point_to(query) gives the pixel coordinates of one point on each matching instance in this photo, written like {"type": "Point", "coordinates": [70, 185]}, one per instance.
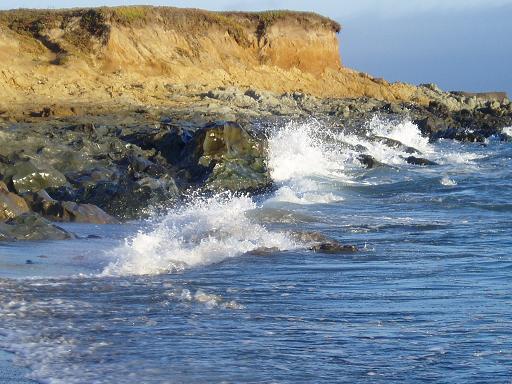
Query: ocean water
{"type": "Point", "coordinates": [219, 290]}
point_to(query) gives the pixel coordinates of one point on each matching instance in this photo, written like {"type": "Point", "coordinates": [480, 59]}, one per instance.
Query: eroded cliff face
{"type": "Point", "coordinates": [138, 55]}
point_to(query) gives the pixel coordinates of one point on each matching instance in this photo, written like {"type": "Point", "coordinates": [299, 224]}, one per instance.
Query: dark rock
{"type": "Point", "coordinates": [220, 155]}
{"type": "Point", "coordinates": [67, 211]}
{"type": "Point", "coordinates": [128, 198]}
{"type": "Point", "coordinates": [368, 161]}
{"type": "Point", "coordinates": [318, 242]}
{"type": "Point", "coordinates": [396, 144]}
{"type": "Point", "coordinates": [461, 135]}
{"type": "Point", "coordinates": [11, 205]}
{"type": "Point", "coordinates": [419, 161]}
{"type": "Point", "coordinates": [429, 125]}
{"type": "Point", "coordinates": [26, 176]}
{"type": "Point", "coordinates": [238, 159]}
{"type": "Point", "coordinates": [31, 226]}
{"type": "Point", "coordinates": [439, 109]}
{"type": "Point", "coordinates": [333, 247]}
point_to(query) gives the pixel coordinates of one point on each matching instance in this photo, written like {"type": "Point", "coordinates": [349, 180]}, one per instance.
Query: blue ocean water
{"type": "Point", "coordinates": [219, 291]}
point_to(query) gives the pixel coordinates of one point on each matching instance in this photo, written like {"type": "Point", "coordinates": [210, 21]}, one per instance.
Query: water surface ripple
{"type": "Point", "coordinates": [184, 298]}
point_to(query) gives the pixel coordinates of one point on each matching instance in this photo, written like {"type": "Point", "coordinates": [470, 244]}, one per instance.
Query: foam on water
{"type": "Point", "coordinates": [301, 159]}
{"type": "Point", "coordinates": [404, 131]}
{"type": "Point", "coordinates": [287, 194]}
{"type": "Point", "coordinates": [56, 326]}
{"type": "Point", "coordinates": [296, 151]}
{"type": "Point", "coordinates": [309, 164]}
{"type": "Point", "coordinates": [44, 334]}
{"type": "Point", "coordinates": [408, 134]}
{"type": "Point", "coordinates": [448, 182]}
{"type": "Point", "coordinates": [205, 231]}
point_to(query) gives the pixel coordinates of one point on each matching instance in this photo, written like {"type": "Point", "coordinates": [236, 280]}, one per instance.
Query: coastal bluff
{"type": "Point", "coordinates": [138, 55]}
{"type": "Point", "coordinates": [113, 114]}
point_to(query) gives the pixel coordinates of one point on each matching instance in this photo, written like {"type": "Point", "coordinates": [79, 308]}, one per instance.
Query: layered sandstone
{"type": "Point", "coordinates": [139, 55]}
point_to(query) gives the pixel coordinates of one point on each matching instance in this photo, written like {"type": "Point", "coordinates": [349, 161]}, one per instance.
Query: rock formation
{"type": "Point", "coordinates": [125, 56]}
{"type": "Point", "coordinates": [112, 113]}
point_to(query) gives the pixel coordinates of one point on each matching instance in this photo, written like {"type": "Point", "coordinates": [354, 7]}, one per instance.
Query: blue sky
{"type": "Point", "coordinates": [458, 44]}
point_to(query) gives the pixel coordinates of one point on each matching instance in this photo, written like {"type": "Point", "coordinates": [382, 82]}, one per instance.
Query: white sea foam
{"type": "Point", "coordinates": [204, 231]}
{"type": "Point", "coordinates": [309, 164]}
{"type": "Point", "coordinates": [210, 300]}
{"type": "Point", "coordinates": [296, 151]}
{"type": "Point", "coordinates": [289, 195]}
{"type": "Point", "coordinates": [408, 134]}
{"type": "Point", "coordinates": [448, 182]}
{"type": "Point", "coordinates": [507, 131]}
{"type": "Point", "coordinates": [405, 132]}
{"type": "Point", "coordinates": [301, 159]}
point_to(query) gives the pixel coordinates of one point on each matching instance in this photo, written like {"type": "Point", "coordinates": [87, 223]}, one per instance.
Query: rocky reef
{"type": "Point", "coordinates": [100, 174]}
{"type": "Point", "coordinates": [109, 114]}
{"type": "Point", "coordinates": [109, 168]}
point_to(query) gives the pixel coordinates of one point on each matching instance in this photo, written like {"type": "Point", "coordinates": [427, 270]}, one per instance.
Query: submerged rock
{"type": "Point", "coordinates": [419, 161]}
{"type": "Point", "coordinates": [263, 251]}
{"type": "Point", "coordinates": [333, 247]}
{"type": "Point", "coordinates": [31, 226]}
{"type": "Point", "coordinates": [368, 161]}
{"type": "Point", "coordinates": [395, 144]}
{"type": "Point", "coordinates": [318, 242]}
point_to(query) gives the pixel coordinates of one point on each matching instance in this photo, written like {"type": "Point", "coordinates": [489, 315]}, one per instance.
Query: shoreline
{"type": "Point", "coordinates": [109, 168]}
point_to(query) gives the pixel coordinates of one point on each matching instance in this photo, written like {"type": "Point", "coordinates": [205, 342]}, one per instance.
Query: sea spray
{"type": "Point", "coordinates": [206, 230]}
{"type": "Point", "coordinates": [303, 159]}
{"type": "Point", "coordinates": [296, 151]}
{"type": "Point", "coordinates": [406, 139]}
{"type": "Point", "coordinates": [309, 163]}
{"type": "Point", "coordinates": [405, 131]}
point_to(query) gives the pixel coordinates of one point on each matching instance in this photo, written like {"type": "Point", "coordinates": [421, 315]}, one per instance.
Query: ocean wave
{"type": "Point", "coordinates": [205, 231]}
{"type": "Point", "coordinates": [507, 131]}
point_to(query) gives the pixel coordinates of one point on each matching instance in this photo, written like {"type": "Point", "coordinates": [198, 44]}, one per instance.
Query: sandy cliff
{"type": "Point", "coordinates": [139, 55]}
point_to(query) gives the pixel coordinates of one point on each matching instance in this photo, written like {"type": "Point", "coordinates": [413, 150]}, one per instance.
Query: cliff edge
{"type": "Point", "coordinates": [139, 55]}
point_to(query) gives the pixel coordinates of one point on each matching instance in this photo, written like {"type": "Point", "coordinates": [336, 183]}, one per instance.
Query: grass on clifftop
{"type": "Point", "coordinates": [84, 27]}
{"type": "Point", "coordinates": [131, 15]}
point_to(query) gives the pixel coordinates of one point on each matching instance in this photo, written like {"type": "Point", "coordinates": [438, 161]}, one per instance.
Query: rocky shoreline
{"type": "Point", "coordinates": [114, 167]}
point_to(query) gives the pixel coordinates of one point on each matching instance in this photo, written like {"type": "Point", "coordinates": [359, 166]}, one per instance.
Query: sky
{"type": "Point", "coordinates": [457, 44]}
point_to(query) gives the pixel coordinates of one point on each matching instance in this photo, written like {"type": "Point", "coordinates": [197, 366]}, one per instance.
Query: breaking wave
{"type": "Point", "coordinates": [205, 231]}
{"type": "Point", "coordinates": [304, 160]}
{"type": "Point", "coordinates": [309, 163]}
{"type": "Point", "coordinates": [507, 131]}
